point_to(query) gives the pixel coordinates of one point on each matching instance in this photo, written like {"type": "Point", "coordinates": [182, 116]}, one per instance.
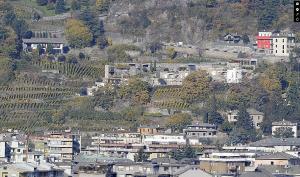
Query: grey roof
{"type": "Point", "coordinates": [276, 142]}
{"type": "Point", "coordinates": [164, 160]}
{"type": "Point", "coordinates": [291, 169]}
{"type": "Point", "coordinates": [277, 155]}
{"type": "Point", "coordinates": [257, 173]}
{"type": "Point", "coordinates": [45, 40]}
{"type": "Point", "coordinates": [251, 111]}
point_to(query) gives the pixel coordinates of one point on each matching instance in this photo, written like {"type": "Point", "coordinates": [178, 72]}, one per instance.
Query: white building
{"type": "Point", "coordinates": [256, 116]}
{"type": "Point", "coordinates": [163, 139]}
{"type": "Point", "coordinates": [282, 44]}
{"type": "Point", "coordinates": [234, 76]}
{"type": "Point", "coordinates": [285, 124]}
{"type": "Point", "coordinates": [117, 138]}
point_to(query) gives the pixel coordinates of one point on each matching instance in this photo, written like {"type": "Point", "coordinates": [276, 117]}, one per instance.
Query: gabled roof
{"type": "Point", "coordinates": [277, 156]}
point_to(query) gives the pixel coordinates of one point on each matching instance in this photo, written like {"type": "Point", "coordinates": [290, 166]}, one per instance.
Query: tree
{"type": "Point", "coordinates": [77, 34]}
{"type": "Point", "coordinates": [42, 2]}
{"type": "Point", "coordinates": [7, 70]}
{"type": "Point", "coordinates": [244, 120]}
{"type": "Point", "coordinates": [50, 49]}
{"type": "Point", "coordinates": [179, 121]}
{"type": "Point", "coordinates": [284, 132]}
{"type": "Point", "coordinates": [184, 152]}
{"type": "Point", "coordinates": [136, 90]}
{"type": "Point", "coordinates": [141, 156]}
{"type": "Point", "coordinates": [245, 39]}
{"type": "Point", "coordinates": [196, 86]}
{"type": "Point", "coordinates": [242, 136]}
{"type": "Point", "coordinates": [75, 5]}
{"type": "Point", "coordinates": [226, 127]}
{"type": "Point", "coordinates": [213, 116]}
{"type": "Point", "coordinates": [60, 6]}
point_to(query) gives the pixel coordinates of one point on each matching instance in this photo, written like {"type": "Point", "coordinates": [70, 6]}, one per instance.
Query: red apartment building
{"type": "Point", "coordinates": [263, 40]}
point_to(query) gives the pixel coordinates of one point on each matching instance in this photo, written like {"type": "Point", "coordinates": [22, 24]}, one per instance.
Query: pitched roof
{"type": "Point", "coordinates": [276, 142]}
{"type": "Point", "coordinates": [275, 156]}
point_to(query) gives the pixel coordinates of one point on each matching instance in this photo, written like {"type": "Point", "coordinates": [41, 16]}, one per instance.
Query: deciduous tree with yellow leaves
{"type": "Point", "coordinates": [77, 34]}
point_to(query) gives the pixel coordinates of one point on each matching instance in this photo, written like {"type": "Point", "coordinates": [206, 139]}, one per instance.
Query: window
{"type": "Point", "coordinates": [272, 163]}
{"type": "Point", "coordinates": [282, 51]}
{"type": "Point", "coordinates": [282, 46]}
{"type": "Point", "coordinates": [166, 168]}
{"type": "Point", "coordinates": [275, 51]}
{"type": "Point", "coordinates": [276, 46]}
{"type": "Point", "coordinates": [276, 40]}
{"type": "Point", "coordinates": [282, 40]}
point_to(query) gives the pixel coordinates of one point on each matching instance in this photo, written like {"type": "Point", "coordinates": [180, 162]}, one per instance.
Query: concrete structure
{"type": "Point", "coordinates": [164, 139]}
{"type": "Point", "coordinates": [61, 146]}
{"type": "Point", "coordinates": [30, 170]}
{"type": "Point", "coordinates": [148, 130]}
{"type": "Point", "coordinates": [199, 131]}
{"type": "Point", "coordinates": [279, 158]}
{"type": "Point", "coordinates": [282, 43]}
{"type": "Point", "coordinates": [159, 169]}
{"type": "Point", "coordinates": [117, 138]}
{"type": "Point", "coordinates": [263, 41]}
{"type": "Point", "coordinates": [275, 145]}
{"type": "Point", "coordinates": [4, 152]}
{"type": "Point", "coordinates": [234, 76]}
{"type": "Point", "coordinates": [286, 125]}
{"type": "Point", "coordinates": [32, 44]}
{"type": "Point", "coordinates": [257, 117]}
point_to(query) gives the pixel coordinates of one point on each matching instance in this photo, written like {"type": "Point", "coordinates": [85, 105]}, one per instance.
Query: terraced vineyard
{"type": "Point", "coordinates": [172, 104]}
{"type": "Point", "coordinates": [167, 92]}
{"type": "Point", "coordinates": [68, 69]}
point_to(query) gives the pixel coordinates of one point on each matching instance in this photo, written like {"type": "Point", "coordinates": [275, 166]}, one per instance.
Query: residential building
{"type": "Point", "coordinates": [149, 130]}
{"type": "Point", "coordinates": [256, 116]}
{"type": "Point", "coordinates": [159, 169]}
{"type": "Point", "coordinates": [33, 43]}
{"type": "Point", "coordinates": [263, 41]}
{"type": "Point", "coordinates": [282, 43]}
{"type": "Point", "coordinates": [117, 138]}
{"type": "Point", "coordinates": [61, 146]}
{"type": "Point", "coordinates": [44, 39]}
{"type": "Point", "coordinates": [275, 145]}
{"type": "Point", "coordinates": [30, 170]}
{"type": "Point", "coordinates": [199, 131]}
{"type": "Point", "coordinates": [227, 163]}
{"type": "Point", "coordinates": [4, 152]}
{"type": "Point", "coordinates": [278, 158]}
{"type": "Point", "coordinates": [164, 139]}
{"type": "Point", "coordinates": [285, 124]}
{"type": "Point", "coordinates": [234, 76]}
{"type": "Point", "coordinates": [229, 38]}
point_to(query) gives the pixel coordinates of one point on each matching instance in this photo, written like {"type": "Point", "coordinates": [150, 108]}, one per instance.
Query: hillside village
{"type": "Point", "coordinates": [149, 88]}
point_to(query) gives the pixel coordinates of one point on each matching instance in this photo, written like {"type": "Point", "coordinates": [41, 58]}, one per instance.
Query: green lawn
{"type": "Point", "coordinates": [40, 9]}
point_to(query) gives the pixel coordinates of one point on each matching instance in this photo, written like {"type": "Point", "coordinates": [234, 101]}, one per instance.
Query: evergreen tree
{"type": "Point", "coordinates": [213, 116]}
{"type": "Point", "coordinates": [141, 156]}
{"type": "Point", "coordinates": [293, 94]}
{"type": "Point", "coordinates": [75, 5]}
{"type": "Point", "coordinates": [244, 120]}
{"type": "Point", "coordinates": [60, 7]}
